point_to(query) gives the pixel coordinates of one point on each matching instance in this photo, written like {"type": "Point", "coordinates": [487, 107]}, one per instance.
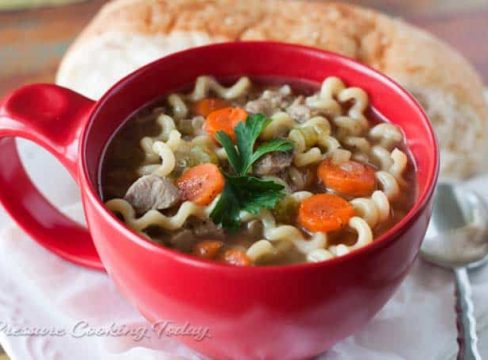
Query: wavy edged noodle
{"type": "Point", "coordinates": [339, 250]}
{"type": "Point", "coordinates": [178, 106]}
{"type": "Point", "coordinates": [331, 88]}
{"type": "Point", "coordinates": [203, 140]}
{"type": "Point", "coordinates": [364, 237]}
{"type": "Point", "coordinates": [350, 126]}
{"type": "Point", "coordinates": [389, 184]}
{"type": "Point", "coordinates": [312, 141]}
{"type": "Point", "coordinates": [260, 249]}
{"type": "Point", "coordinates": [373, 210]}
{"type": "Point", "coordinates": [264, 249]}
{"type": "Point", "coordinates": [326, 106]}
{"type": "Point", "coordinates": [297, 178]}
{"type": "Point", "coordinates": [386, 134]}
{"type": "Point", "coordinates": [280, 123]}
{"type": "Point", "coordinates": [339, 156]}
{"type": "Point", "coordinates": [400, 161]}
{"type": "Point", "coordinates": [289, 233]}
{"type": "Point", "coordinates": [205, 84]}
{"type": "Point", "coordinates": [332, 93]}
{"type": "Point", "coordinates": [300, 195]}
{"type": "Point", "coordinates": [360, 103]}
{"type": "Point", "coordinates": [150, 156]}
{"type": "Point", "coordinates": [325, 102]}
{"type": "Point", "coordinates": [156, 149]}
{"type": "Point", "coordinates": [207, 142]}
{"type": "Point", "coordinates": [319, 255]}
{"type": "Point", "coordinates": [395, 161]}
{"type": "Point", "coordinates": [314, 155]}
{"type": "Point", "coordinates": [313, 132]}
{"type": "Point", "coordinates": [168, 159]}
{"type": "Point", "coordinates": [382, 157]}
{"type": "Point", "coordinates": [167, 126]}
{"type": "Point", "coordinates": [155, 218]}
{"type": "Point", "coordinates": [197, 126]}
{"type": "Point", "coordinates": [358, 143]}
{"type": "Point", "coordinates": [393, 165]}
{"type": "Point", "coordinates": [360, 146]}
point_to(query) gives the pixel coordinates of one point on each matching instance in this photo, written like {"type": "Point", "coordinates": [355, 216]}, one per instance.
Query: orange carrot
{"type": "Point", "coordinates": [349, 178]}
{"type": "Point", "coordinates": [324, 212]}
{"type": "Point", "coordinates": [207, 249]}
{"type": "Point", "coordinates": [205, 106]}
{"type": "Point", "coordinates": [235, 257]}
{"type": "Point", "coordinates": [201, 184]}
{"type": "Point", "coordinates": [225, 120]}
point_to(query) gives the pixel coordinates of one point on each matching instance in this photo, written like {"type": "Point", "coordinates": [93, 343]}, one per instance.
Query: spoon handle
{"type": "Point", "coordinates": [466, 322]}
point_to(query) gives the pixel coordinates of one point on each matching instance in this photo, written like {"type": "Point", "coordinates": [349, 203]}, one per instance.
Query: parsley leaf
{"type": "Point", "coordinates": [226, 211]}
{"type": "Point", "coordinates": [232, 155]}
{"type": "Point", "coordinates": [247, 133]}
{"type": "Point", "coordinates": [255, 194]}
{"type": "Point", "coordinates": [243, 192]}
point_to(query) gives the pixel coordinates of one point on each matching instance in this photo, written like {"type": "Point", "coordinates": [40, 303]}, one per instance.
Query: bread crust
{"type": "Point", "coordinates": [444, 82]}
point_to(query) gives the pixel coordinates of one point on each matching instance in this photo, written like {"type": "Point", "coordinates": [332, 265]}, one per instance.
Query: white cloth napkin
{"type": "Point", "coordinates": [40, 292]}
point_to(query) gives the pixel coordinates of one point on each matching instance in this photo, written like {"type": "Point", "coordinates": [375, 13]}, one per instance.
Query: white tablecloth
{"type": "Point", "coordinates": [41, 292]}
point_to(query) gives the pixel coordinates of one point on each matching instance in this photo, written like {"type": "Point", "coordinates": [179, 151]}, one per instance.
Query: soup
{"type": "Point", "coordinates": [259, 172]}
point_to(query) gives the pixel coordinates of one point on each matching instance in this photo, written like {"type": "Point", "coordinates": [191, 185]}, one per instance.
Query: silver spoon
{"type": "Point", "coordinates": [457, 238]}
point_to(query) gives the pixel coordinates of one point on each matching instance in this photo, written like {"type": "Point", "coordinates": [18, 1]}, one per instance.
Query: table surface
{"type": "Point", "coordinates": [32, 42]}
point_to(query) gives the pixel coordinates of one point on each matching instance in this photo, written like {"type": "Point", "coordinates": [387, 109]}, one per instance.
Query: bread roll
{"type": "Point", "coordinates": [127, 34]}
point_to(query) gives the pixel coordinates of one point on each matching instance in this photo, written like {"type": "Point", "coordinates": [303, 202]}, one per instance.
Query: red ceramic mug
{"type": "Point", "coordinates": [276, 312]}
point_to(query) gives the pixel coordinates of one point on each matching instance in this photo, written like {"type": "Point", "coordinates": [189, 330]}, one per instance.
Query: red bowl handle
{"type": "Point", "coordinates": [53, 117]}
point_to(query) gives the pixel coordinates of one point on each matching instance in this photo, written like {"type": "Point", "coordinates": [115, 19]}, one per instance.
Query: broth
{"type": "Point", "coordinates": [328, 135]}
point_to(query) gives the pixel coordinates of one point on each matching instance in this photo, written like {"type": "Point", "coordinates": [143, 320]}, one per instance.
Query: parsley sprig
{"type": "Point", "coordinates": [243, 192]}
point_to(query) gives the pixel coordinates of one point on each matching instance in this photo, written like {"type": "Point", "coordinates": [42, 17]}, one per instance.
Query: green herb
{"type": "Point", "coordinates": [242, 158]}
{"type": "Point", "coordinates": [243, 192]}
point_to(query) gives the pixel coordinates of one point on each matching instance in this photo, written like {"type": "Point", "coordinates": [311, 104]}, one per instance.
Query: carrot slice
{"type": "Point", "coordinates": [235, 257]}
{"type": "Point", "coordinates": [205, 106]}
{"type": "Point", "coordinates": [349, 178]}
{"type": "Point", "coordinates": [207, 249]}
{"type": "Point", "coordinates": [225, 120]}
{"type": "Point", "coordinates": [201, 184]}
{"type": "Point", "coordinates": [324, 212]}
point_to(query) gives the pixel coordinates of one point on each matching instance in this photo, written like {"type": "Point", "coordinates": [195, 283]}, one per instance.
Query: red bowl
{"type": "Point", "coordinates": [275, 312]}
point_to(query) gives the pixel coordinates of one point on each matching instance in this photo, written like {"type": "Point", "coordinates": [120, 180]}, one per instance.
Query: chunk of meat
{"type": "Point", "coordinates": [204, 228]}
{"type": "Point", "coordinates": [183, 240]}
{"type": "Point", "coordinates": [270, 102]}
{"type": "Point", "coordinates": [273, 163]}
{"type": "Point", "coordinates": [299, 111]}
{"type": "Point", "coordinates": [260, 106]}
{"type": "Point", "coordinates": [300, 179]}
{"type": "Point", "coordinates": [151, 192]}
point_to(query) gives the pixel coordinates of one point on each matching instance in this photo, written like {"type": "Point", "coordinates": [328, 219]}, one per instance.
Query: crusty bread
{"type": "Point", "coordinates": [129, 33]}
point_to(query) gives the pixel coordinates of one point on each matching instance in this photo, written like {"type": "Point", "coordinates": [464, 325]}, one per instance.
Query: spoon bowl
{"type": "Point", "coordinates": [457, 235]}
